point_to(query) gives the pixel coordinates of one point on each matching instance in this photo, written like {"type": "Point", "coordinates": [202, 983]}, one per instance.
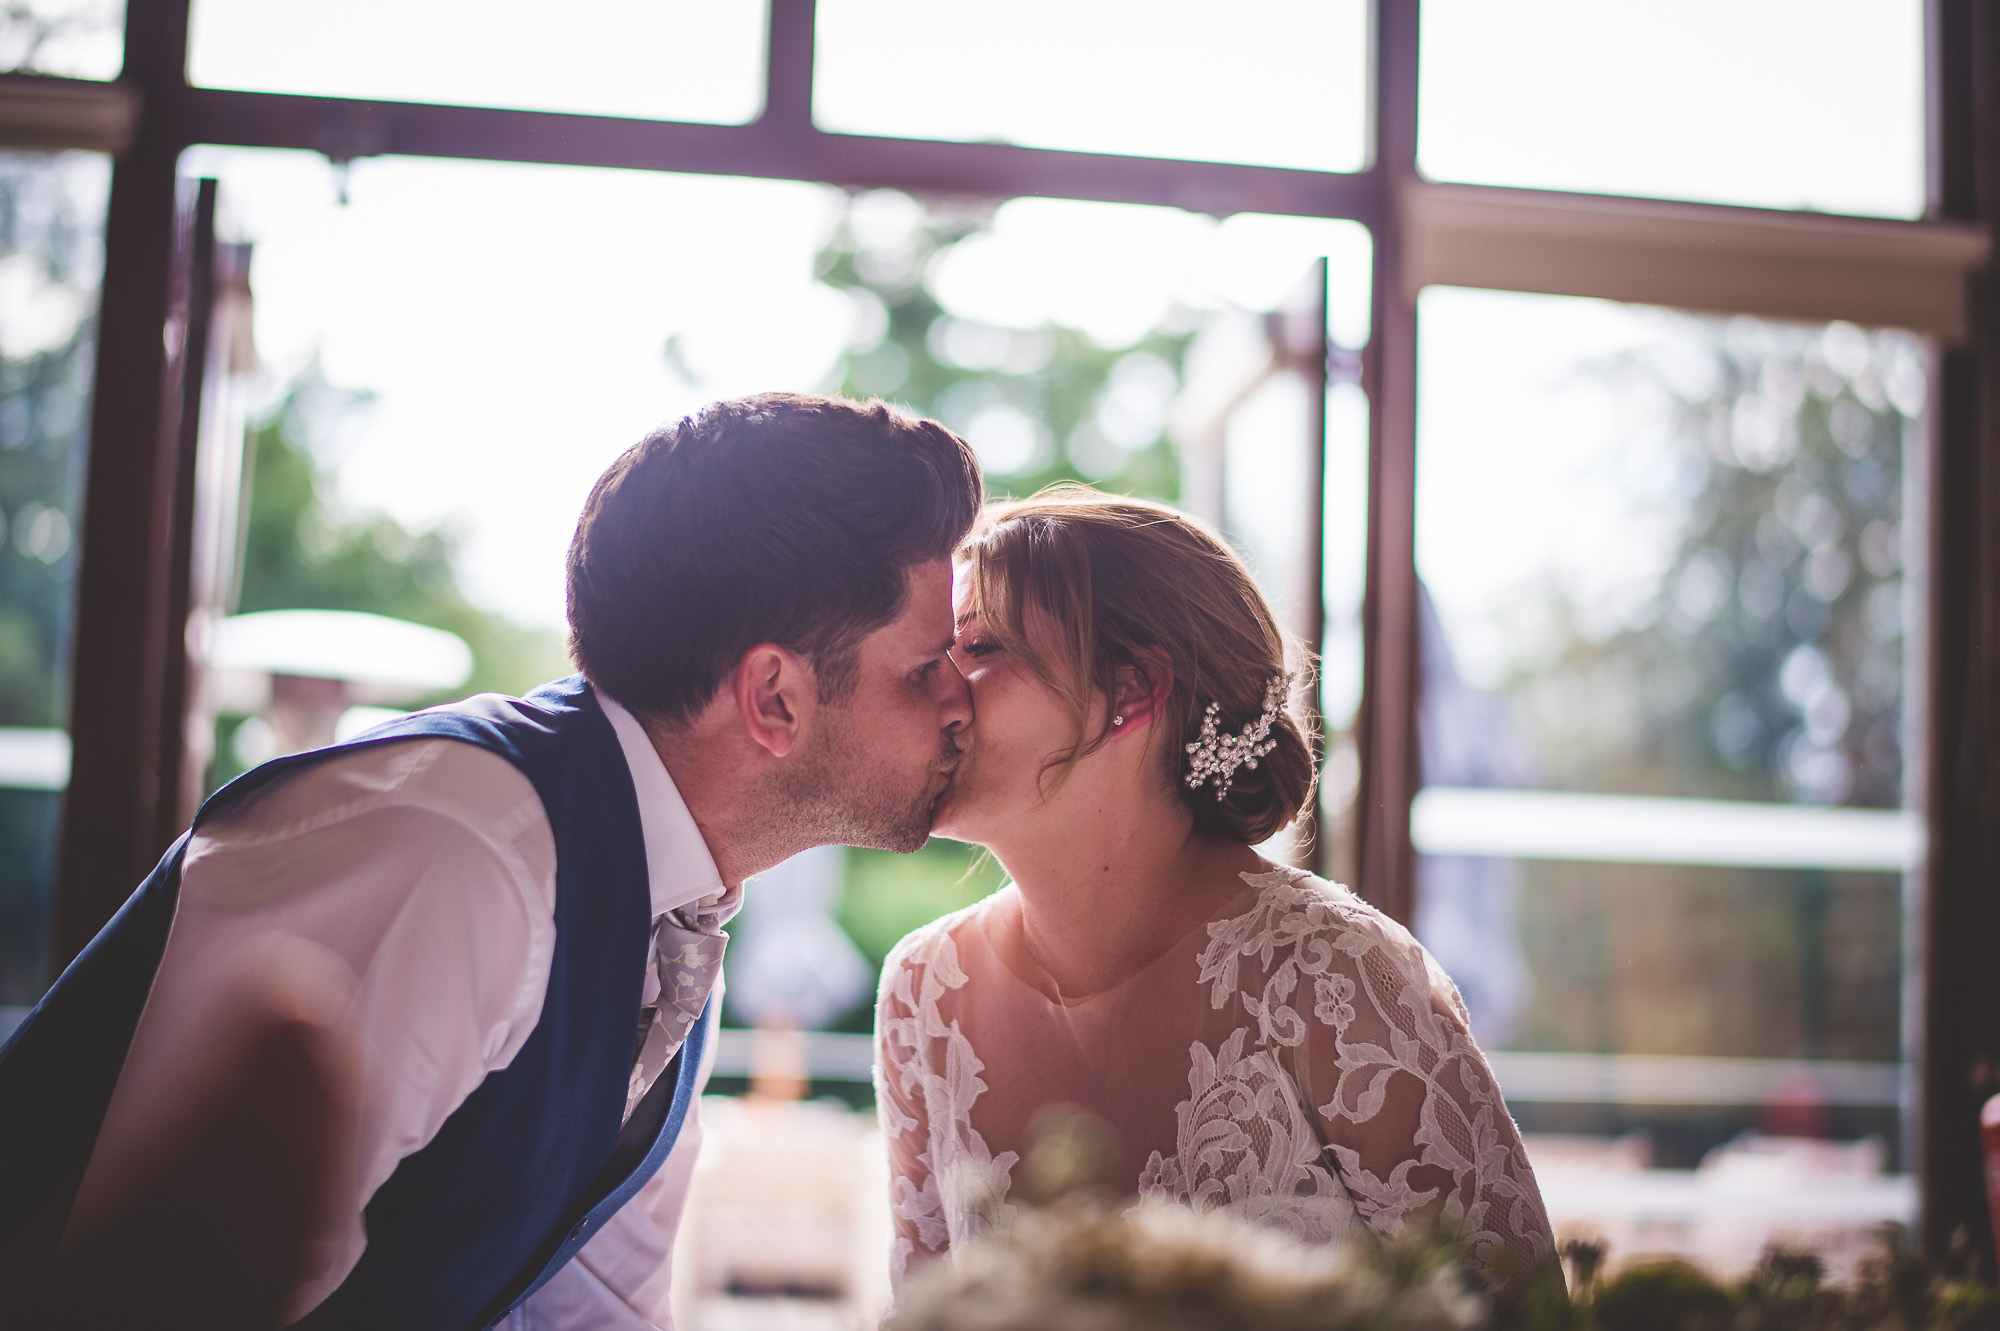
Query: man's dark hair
{"type": "Point", "coordinates": [784, 517]}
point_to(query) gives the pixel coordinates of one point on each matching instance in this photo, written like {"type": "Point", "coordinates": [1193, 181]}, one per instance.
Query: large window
{"type": "Point", "coordinates": [1666, 732]}
{"type": "Point", "coordinates": [1621, 607]}
{"type": "Point", "coordinates": [1149, 350]}
{"type": "Point", "coordinates": [51, 256]}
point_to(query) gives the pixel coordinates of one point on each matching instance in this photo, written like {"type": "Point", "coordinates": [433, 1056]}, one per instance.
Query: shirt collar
{"type": "Point", "coordinates": [679, 869]}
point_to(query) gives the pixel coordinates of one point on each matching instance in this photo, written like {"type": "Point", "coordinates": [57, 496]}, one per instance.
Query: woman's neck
{"type": "Point", "coordinates": [1106, 889]}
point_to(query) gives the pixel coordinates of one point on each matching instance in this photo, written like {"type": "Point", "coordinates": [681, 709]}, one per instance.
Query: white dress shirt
{"type": "Point", "coordinates": [426, 870]}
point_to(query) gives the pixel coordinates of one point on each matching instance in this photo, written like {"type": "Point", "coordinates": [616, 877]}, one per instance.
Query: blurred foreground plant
{"type": "Point", "coordinates": [1084, 1264]}
{"type": "Point", "coordinates": [1900, 1288]}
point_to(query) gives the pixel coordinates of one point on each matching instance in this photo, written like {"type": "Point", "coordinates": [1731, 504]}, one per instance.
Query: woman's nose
{"type": "Point", "coordinates": [955, 708]}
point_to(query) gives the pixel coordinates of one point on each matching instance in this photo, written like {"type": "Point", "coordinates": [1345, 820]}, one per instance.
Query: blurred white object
{"type": "Point", "coordinates": [309, 675]}
{"type": "Point", "coordinates": [1757, 1159]}
{"type": "Point", "coordinates": [1682, 1079]}
{"type": "Point", "coordinates": [385, 658]}
{"type": "Point", "coordinates": [1564, 1154]}
{"type": "Point", "coordinates": [255, 742]}
{"type": "Point", "coordinates": [357, 719]}
{"type": "Point", "coordinates": [33, 759]}
{"type": "Point", "coordinates": [787, 1222]}
{"type": "Point", "coordinates": [1829, 1197]}
{"type": "Point", "coordinates": [829, 1055]}
{"type": "Point", "coordinates": [790, 963]}
{"type": "Point", "coordinates": [1637, 829]}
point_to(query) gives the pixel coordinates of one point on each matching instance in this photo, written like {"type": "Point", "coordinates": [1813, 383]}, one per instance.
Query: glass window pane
{"type": "Point", "coordinates": [700, 60]}
{"type": "Point", "coordinates": [51, 258]}
{"type": "Point", "coordinates": [1054, 333]}
{"type": "Point", "coordinates": [78, 39]}
{"type": "Point", "coordinates": [426, 435]}
{"type": "Point", "coordinates": [1777, 103]}
{"type": "Point", "coordinates": [1273, 82]}
{"type": "Point", "coordinates": [1666, 720]}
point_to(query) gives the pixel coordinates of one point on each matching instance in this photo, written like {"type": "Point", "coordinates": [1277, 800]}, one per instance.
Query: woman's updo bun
{"type": "Point", "coordinates": [1259, 800]}
{"type": "Point", "coordinates": [1112, 583]}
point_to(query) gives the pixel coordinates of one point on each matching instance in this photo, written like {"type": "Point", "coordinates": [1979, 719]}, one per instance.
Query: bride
{"type": "Point", "coordinates": [1246, 1036]}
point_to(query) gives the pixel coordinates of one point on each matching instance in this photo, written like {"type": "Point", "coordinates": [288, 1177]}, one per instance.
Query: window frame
{"type": "Point", "coordinates": [1924, 275]}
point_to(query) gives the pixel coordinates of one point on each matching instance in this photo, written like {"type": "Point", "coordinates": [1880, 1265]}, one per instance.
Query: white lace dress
{"type": "Point", "coordinates": [1300, 1061]}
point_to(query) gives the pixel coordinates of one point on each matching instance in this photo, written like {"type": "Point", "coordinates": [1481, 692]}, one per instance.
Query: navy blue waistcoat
{"type": "Point", "coordinates": [529, 1167]}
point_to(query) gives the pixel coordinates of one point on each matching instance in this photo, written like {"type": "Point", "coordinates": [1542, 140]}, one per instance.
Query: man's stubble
{"type": "Point", "coordinates": [838, 795]}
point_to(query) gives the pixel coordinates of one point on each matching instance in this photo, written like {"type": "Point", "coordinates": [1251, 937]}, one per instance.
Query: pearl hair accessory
{"type": "Point", "coordinates": [1214, 757]}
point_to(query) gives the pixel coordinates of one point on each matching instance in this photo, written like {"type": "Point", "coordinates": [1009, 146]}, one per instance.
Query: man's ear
{"type": "Point", "coordinates": [776, 691]}
{"type": "Point", "coordinates": [1142, 689]}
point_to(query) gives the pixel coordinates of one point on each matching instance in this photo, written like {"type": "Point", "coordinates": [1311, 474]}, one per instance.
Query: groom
{"type": "Point", "coordinates": [408, 1032]}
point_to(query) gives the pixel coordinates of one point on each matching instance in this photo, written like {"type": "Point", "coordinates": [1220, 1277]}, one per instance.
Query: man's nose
{"type": "Point", "coordinates": [955, 708]}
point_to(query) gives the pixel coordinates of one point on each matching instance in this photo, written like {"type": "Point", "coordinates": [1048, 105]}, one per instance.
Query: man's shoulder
{"type": "Point", "coordinates": [454, 780]}
{"type": "Point", "coordinates": [462, 759]}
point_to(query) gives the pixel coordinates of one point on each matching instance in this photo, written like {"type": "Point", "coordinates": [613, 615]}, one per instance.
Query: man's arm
{"type": "Point", "coordinates": [211, 1221]}
{"type": "Point", "coordinates": [417, 881]}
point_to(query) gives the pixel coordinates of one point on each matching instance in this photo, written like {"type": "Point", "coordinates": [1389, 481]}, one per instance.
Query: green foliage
{"type": "Point", "coordinates": [1770, 667]}
{"type": "Point", "coordinates": [301, 553]}
{"type": "Point", "coordinates": [46, 232]}
{"type": "Point", "coordinates": [1087, 1258]}
{"type": "Point", "coordinates": [1660, 1296]}
{"type": "Point", "coordinates": [1900, 1288]}
{"type": "Point", "coordinates": [1089, 1263]}
{"type": "Point", "coordinates": [888, 895]}
{"type": "Point", "coordinates": [50, 243]}
{"type": "Point", "coordinates": [1053, 381]}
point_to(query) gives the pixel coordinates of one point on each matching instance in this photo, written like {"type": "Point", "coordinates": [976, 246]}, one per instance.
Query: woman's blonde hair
{"type": "Point", "coordinates": [1111, 583]}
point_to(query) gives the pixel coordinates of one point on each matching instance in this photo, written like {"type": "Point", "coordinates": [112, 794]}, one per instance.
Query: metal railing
{"type": "Point", "coordinates": [1641, 1079]}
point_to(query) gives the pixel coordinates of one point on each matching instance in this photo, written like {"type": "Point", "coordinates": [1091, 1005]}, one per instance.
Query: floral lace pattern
{"type": "Point", "coordinates": [1244, 1146]}
{"type": "Point", "coordinates": [1346, 1089]}
{"type": "Point", "coordinates": [927, 1060]}
{"type": "Point", "coordinates": [1345, 956]}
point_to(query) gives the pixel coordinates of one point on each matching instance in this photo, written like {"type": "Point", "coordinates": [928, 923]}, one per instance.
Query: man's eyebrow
{"type": "Point", "coordinates": [949, 643]}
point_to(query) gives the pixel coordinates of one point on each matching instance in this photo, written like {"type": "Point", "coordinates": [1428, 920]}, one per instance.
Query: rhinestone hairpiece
{"type": "Point", "coordinates": [1214, 756]}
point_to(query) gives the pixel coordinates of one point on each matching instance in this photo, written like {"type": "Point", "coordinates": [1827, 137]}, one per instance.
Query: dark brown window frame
{"type": "Point", "coordinates": [121, 812]}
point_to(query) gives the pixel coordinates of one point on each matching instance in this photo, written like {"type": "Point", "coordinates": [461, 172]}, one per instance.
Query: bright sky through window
{"type": "Point", "coordinates": [697, 60]}
{"type": "Point", "coordinates": [1773, 103]}
{"type": "Point", "coordinates": [510, 320]}
{"type": "Point", "coordinates": [1272, 82]}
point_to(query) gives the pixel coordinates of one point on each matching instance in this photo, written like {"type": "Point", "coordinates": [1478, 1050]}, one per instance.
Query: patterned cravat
{"type": "Point", "coordinates": [687, 949]}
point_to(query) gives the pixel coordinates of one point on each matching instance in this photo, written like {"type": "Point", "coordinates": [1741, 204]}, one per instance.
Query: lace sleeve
{"type": "Point", "coordinates": [899, 1104]}
{"type": "Point", "coordinates": [1405, 1099]}
{"type": "Point", "coordinates": [945, 1186]}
